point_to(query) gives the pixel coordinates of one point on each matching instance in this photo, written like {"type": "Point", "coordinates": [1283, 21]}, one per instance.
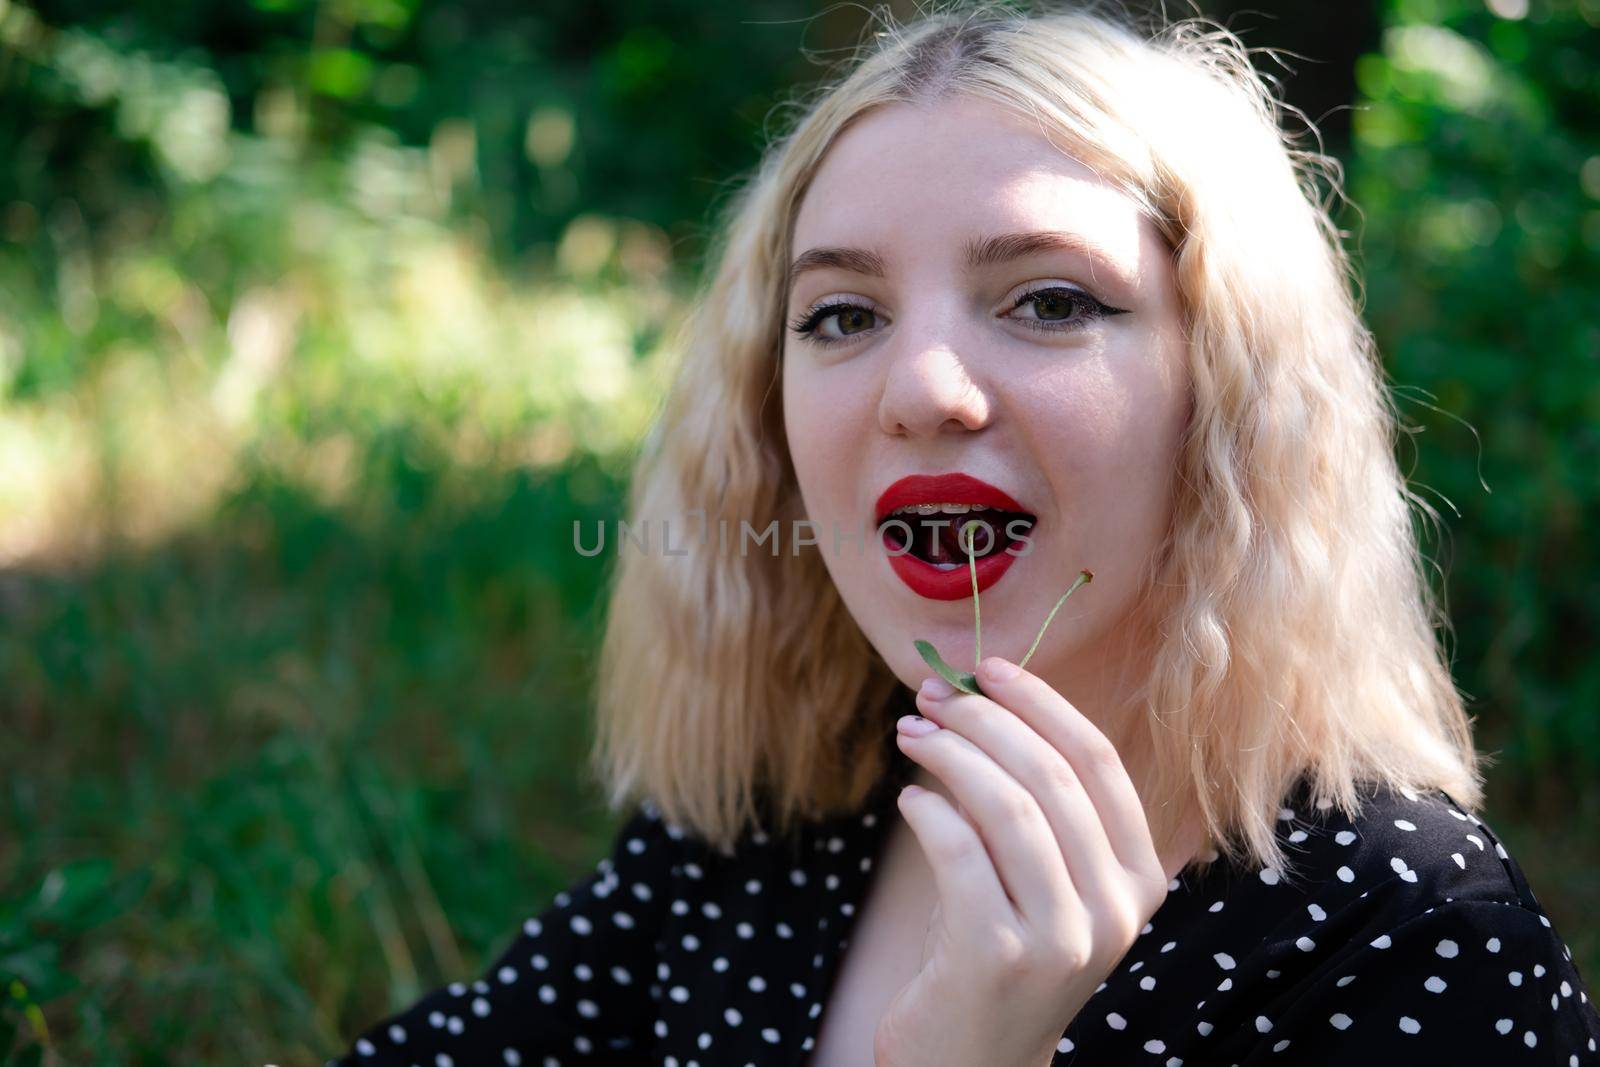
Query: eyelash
{"type": "Point", "coordinates": [806, 325]}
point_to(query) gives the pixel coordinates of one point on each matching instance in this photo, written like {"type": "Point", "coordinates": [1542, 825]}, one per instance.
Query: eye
{"type": "Point", "coordinates": [1057, 309]}
{"type": "Point", "coordinates": [1061, 308]}
{"type": "Point", "coordinates": [852, 319]}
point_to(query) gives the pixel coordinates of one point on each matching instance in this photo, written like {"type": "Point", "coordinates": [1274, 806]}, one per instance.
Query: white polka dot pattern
{"type": "Point", "coordinates": [1406, 935]}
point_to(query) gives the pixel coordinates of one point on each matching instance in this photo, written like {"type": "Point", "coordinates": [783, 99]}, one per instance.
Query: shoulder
{"type": "Point", "coordinates": [1400, 851]}
{"type": "Point", "coordinates": [1404, 861]}
{"type": "Point", "coordinates": [1403, 850]}
{"type": "Point", "coordinates": [1408, 872]}
{"type": "Point", "coordinates": [1385, 923]}
{"type": "Point", "coordinates": [1409, 925]}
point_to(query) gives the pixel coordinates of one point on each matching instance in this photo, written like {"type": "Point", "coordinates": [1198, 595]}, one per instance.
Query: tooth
{"type": "Point", "coordinates": [937, 509]}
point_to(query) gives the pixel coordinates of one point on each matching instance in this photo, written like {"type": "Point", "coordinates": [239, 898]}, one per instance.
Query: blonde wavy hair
{"type": "Point", "coordinates": [1290, 622]}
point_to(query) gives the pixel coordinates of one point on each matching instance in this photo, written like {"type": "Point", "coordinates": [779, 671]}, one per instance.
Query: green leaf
{"type": "Point", "coordinates": [963, 681]}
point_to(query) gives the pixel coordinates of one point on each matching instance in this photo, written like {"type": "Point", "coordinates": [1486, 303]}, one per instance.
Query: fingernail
{"type": "Point", "coordinates": [916, 726]}
{"type": "Point", "coordinates": [1000, 669]}
{"type": "Point", "coordinates": [936, 688]}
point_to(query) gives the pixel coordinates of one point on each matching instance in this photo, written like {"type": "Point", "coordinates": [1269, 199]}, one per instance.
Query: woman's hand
{"type": "Point", "coordinates": [1045, 877]}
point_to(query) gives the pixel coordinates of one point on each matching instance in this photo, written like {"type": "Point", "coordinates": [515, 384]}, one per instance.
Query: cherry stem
{"type": "Point", "coordinates": [1084, 577]}
{"type": "Point", "coordinates": [969, 538]}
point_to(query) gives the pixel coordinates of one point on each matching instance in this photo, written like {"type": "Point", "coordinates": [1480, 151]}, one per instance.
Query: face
{"type": "Point", "coordinates": [1043, 378]}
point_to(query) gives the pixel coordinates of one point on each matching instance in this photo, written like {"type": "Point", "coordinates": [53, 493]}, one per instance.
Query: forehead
{"type": "Point", "coordinates": [914, 177]}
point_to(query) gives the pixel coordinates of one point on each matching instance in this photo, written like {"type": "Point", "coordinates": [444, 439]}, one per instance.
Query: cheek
{"type": "Point", "coordinates": [1110, 429]}
{"type": "Point", "coordinates": [1089, 423]}
{"type": "Point", "coordinates": [821, 438]}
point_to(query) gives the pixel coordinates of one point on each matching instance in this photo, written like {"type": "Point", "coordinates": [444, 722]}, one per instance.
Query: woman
{"type": "Point", "coordinates": [1065, 279]}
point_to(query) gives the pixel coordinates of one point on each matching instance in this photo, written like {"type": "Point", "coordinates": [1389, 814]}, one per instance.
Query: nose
{"type": "Point", "coordinates": [928, 389]}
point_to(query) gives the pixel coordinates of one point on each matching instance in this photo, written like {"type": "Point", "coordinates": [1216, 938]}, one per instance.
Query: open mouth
{"type": "Point", "coordinates": [920, 520]}
{"type": "Point", "coordinates": [931, 533]}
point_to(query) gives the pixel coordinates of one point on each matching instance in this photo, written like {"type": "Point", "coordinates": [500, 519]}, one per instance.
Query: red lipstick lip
{"type": "Point", "coordinates": [929, 582]}
{"type": "Point", "coordinates": [954, 488]}
{"type": "Point", "coordinates": [924, 579]}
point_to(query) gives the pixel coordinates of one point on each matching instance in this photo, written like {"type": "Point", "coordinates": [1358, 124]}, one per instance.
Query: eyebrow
{"type": "Point", "coordinates": [977, 254]}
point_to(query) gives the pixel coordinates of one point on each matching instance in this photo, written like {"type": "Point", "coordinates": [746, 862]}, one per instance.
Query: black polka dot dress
{"type": "Point", "coordinates": [1407, 937]}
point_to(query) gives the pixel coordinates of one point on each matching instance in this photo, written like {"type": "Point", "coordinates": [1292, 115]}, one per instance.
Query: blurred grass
{"type": "Point", "coordinates": [297, 650]}
{"type": "Point", "coordinates": [309, 357]}
{"type": "Point", "coordinates": [299, 743]}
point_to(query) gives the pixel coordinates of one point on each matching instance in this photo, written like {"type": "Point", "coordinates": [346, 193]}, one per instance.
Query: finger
{"type": "Point", "coordinates": [1050, 777]}
{"type": "Point", "coordinates": [1091, 754]}
{"type": "Point", "coordinates": [1009, 822]}
{"type": "Point", "coordinates": [963, 873]}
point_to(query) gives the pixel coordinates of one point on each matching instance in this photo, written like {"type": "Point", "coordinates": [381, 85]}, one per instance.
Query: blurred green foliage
{"type": "Point", "coordinates": [1477, 167]}
{"type": "Point", "coordinates": [321, 322]}
{"type": "Point", "coordinates": [1476, 163]}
